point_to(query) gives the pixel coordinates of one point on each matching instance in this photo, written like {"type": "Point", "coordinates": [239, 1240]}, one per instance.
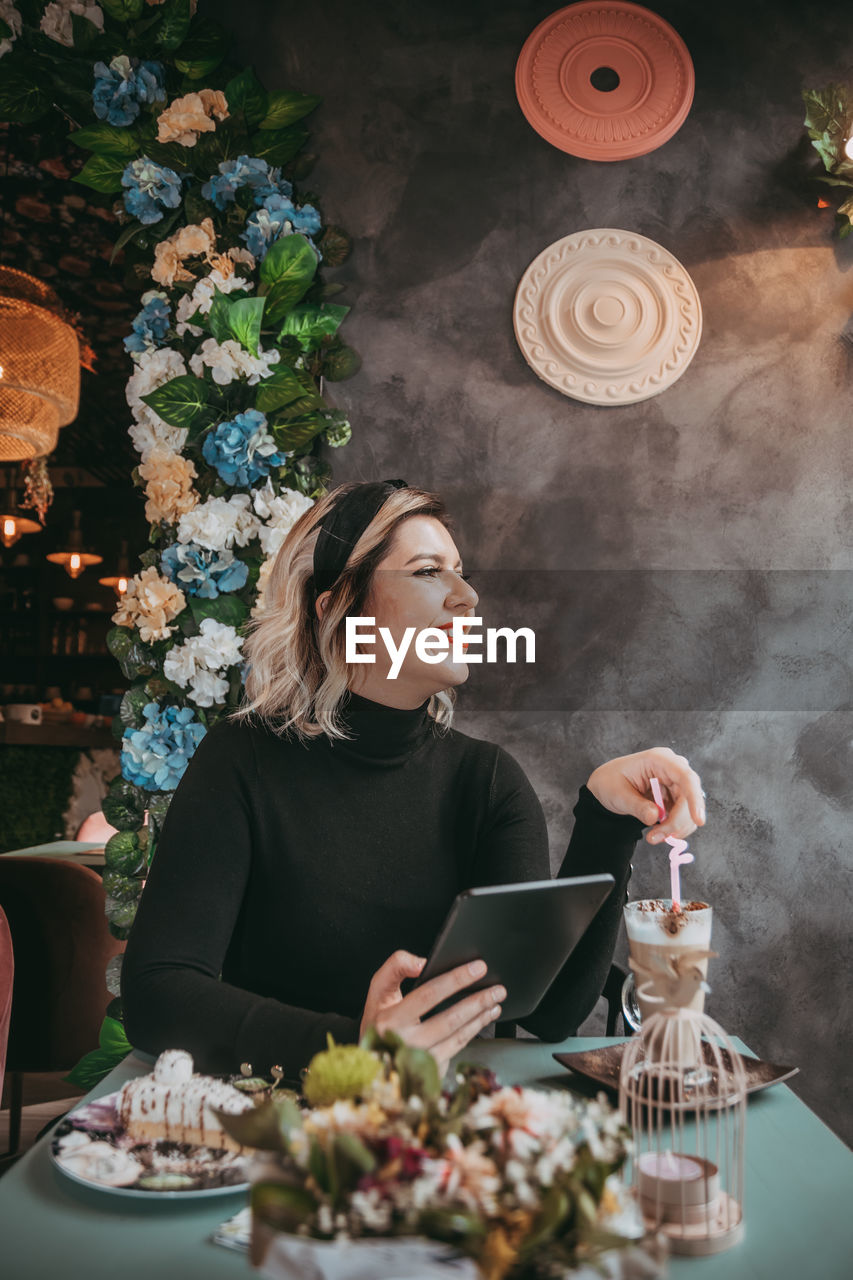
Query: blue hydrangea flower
{"type": "Point", "coordinates": [151, 324]}
{"type": "Point", "coordinates": [123, 86]}
{"type": "Point", "coordinates": [150, 189]}
{"type": "Point", "coordinates": [242, 450]}
{"type": "Point", "coordinates": [277, 215]}
{"type": "Point", "coordinates": [200, 572]}
{"type": "Point", "coordinates": [155, 756]}
{"type": "Point", "coordinates": [245, 171]}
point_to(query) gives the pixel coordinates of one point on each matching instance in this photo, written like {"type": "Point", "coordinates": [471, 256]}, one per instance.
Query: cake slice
{"type": "Point", "coordinates": [174, 1104]}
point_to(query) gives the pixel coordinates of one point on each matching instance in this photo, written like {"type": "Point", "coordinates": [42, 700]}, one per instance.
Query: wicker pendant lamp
{"type": "Point", "coordinates": [40, 360]}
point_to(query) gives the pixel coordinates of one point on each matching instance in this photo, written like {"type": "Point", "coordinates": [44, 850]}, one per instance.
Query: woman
{"type": "Point", "coordinates": [317, 840]}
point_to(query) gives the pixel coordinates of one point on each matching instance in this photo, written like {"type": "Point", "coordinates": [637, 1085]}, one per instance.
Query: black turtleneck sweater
{"type": "Point", "coordinates": [287, 873]}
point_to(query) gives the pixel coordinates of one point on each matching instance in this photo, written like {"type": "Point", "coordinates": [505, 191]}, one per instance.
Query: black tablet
{"type": "Point", "coordinates": [524, 932]}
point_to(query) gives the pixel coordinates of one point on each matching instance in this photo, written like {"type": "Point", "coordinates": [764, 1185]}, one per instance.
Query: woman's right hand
{"type": "Point", "coordinates": [443, 1034]}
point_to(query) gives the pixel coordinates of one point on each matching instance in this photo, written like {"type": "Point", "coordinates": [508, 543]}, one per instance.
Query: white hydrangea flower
{"type": "Point", "coordinates": [56, 19]}
{"type": "Point", "coordinates": [207, 688]}
{"type": "Point", "coordinates": [179, 664]}
{"type": "Point", "coordinates": [195, 664]}
{"type": "Point", "coordinates": [217, 645]}
{"type": "Point", "coordinates": [148, 437]}
{"type": "Point", "coordinates": [279, 511]}
{"type": "Point", "coordinates": [219, 523]}
{"type": "Point", "coordinates": [12, 18]}
{"type": "Point", "coordinates": [201, 298]}
{"type": "Point", "coordinates": [150, 431]}
{"type": "Point", "coordinates": [228, 360]}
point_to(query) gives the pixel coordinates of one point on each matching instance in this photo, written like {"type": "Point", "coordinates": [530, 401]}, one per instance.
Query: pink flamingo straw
{"type": "Point", "coordinates": [677, 856]}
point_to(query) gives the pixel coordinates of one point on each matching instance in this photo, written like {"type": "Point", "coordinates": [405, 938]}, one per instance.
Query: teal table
{"type": "Point", "coordinates": [86, 853]}
{"type": "Point", "coordinates": [798, 1202]}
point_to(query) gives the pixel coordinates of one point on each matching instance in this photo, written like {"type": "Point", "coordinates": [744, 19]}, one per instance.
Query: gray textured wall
{"type": "Point", "coordinates": [686, 556]}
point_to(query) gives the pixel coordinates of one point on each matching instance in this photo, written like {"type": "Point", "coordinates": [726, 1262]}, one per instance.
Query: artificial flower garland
{"type": "Point", "coordinates": [229, 345]}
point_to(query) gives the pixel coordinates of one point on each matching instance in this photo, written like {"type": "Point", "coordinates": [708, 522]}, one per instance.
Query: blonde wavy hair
{"type": "Point", "coordinates": [298, 675]}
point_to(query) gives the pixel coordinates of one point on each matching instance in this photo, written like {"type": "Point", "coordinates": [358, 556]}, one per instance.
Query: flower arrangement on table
{"type": "Point", "coordinates": [232, 339]}
{"type": "Point", "coordinates": [522, 1181]}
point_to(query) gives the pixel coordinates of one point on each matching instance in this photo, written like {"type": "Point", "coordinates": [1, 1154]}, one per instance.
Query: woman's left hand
{"type": "Point", "coordinates": [622, 786]}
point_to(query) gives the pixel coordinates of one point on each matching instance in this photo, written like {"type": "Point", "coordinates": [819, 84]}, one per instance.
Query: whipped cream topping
{"type": "Point", "coordinates": [174, 1066]}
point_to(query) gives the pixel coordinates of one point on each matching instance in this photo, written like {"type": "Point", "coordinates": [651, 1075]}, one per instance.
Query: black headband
{"type": "Point", "coordinates": [341, 528]}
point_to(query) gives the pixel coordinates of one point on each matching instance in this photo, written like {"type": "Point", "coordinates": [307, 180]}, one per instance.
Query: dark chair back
{"type": "Point", "coordinates": [55, 911]}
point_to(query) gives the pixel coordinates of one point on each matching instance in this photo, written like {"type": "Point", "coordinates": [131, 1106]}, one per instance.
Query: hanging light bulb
{"type": "Point", "coordinates": [73, 557]}
{"type": "Point", "coordinates": [40, 376]}
{"type": "Point", "coordinates": [120, 581]}
{"type": "Point", "coordinates": [12, 524]}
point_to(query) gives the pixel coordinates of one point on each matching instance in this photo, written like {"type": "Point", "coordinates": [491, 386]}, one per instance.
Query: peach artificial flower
{"type": "Point", "coordinates": [187, 117]}
{"type": "Point", "coordinates": [150, 603]}
{"type": "Point", "coordinates": [194, 240]}
{"type": "Point", "coordinates": [168, 487]}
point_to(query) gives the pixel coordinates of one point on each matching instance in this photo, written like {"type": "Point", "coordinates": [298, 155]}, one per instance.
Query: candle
{"type": "Point", "coordinates": [670, 1167]}
{"type": "Point", "coordinates": [677, 1188]}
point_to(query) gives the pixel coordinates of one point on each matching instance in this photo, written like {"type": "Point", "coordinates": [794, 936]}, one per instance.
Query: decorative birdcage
{"type": "Point", "coordinates": [39, 367]}
{"type": "Point", "coordinates": [682, 1089]}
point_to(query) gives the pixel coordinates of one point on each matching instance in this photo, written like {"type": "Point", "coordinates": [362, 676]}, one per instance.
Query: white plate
{"type": "Point", "coordinates": [82, 1120]}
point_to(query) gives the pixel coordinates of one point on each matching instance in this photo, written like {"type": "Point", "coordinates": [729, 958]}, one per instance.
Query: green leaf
{"type": "Point", "coordinates": [83, 32]}
{"type": "Point", "coordinates": [340, 364]}
{"type": "Point", "coordinates": [846, 209]}
{"type": "Point", "coordinates": [338, 430]}
{"type": "Point", "coordinates": [182, 402]}
{"type": "Point", "coordinates": [132, 229]}
{"type": "Point", "coordinates": [288, 268]}
{"type": "Point", "coordinates": [267, 1127]}
{"type": "Point", "coordinates": [335, 246]}
{"type": "Point", "coordinates": [279, 1205]}
{"type": "Point", "coordinates": [102, 173]}
{"type": "Point", "coordinates": [175, 25]}
{"type": "Point", "coordinates": [246, 93]}
{"type": "Point", "coordinates": [299, 431]}
{"type": "Point", "coordinates": [217, 316]}
{"type": "Point", "coordinates": [419, 1074]}
{"type": "Point", "coordinates": [280, 389]}
{"type": "Point", "coordinates": [124, 853]}
{"type": "Point", "coordinates": [278, 146]}
{"type": "Point", "coordinates": [138, 660]}
{"type": "Point", "coordinates": [22, 97]}
{"type": "Point", "coordinates": [114, 1047]}
{"type": "Point", "coordinates": [311, 323]}
{"type": "Point", "coordinates": [229, 609]}
{"type": "Point", "coordinates": [119, 642]}
{"type": "Point", "coordinates": [106, 139]}
{"type": "Point", "coordinates": [203, 50]}
{"type": "Point", "coordinates": [131, 707]}
{"type": "Point", "coordinates": [119, 886]}
{"type": "Point", "coordinates": [124, 805]}
{"type": "Point", "coordinates": [244, 321]}
{"type": "Point", "coordinates": [121, 915]}
{"type": "Point", "coordinates": [123, 10]}
{"type": "Point", "coordinates": [286, 108]}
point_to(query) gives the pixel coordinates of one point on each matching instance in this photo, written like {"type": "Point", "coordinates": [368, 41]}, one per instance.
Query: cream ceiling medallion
{"type": "Point", "coordinates": [607, 316]}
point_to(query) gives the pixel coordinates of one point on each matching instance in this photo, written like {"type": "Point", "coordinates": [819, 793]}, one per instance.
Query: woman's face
{"type": "Point", "coordinates": [418, 584]}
